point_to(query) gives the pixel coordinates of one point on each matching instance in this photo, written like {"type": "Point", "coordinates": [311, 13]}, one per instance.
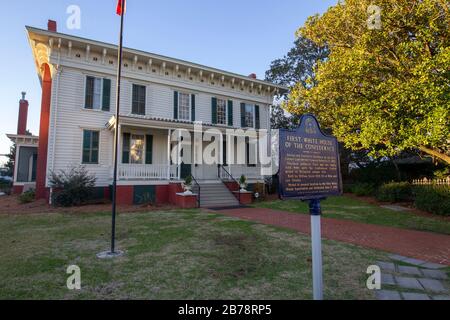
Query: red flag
{"type": "Point", "coordinates": [119, 9]}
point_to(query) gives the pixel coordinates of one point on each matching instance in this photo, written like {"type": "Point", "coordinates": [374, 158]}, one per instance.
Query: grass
{"type": "Point", "coordinates": [356, 210]}
{"type": "Point", "coordinates": [171, 255]}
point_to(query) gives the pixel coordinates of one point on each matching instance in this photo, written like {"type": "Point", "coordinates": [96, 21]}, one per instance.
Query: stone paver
{"type": "Point", "coordinates": [388, 295]}
{"type": "Point", "coordinates": [422, 245]}
{"type": "Point", "coordinates": [395, 208]}
{"type": "Point", "coordinates": [415, 296]}
{"type": "Point", "coordinates": [441, 298]}
{"type": "Point", "coordinates": [408, 283]}
{"type": "Point", "coordinates": [387, 278]}
{"type": "Point", "coordinates": [433, 285]}
{"type": "Point", "coordinates": [409, 270]}
{"type": "Point", "coordinates": [430, 265]}
{"type": "Point", "coordinates": [435, 274]}
{"type": "Point", "coordinates": [387, 266]}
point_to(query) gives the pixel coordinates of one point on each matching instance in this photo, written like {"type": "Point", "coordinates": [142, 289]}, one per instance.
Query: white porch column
{"type": "Point", "coordinates": [16, 162]}
{"type": "Point", "coordinates": [178, 154]}
{"type": "Point", "coordinates": [168, 154]}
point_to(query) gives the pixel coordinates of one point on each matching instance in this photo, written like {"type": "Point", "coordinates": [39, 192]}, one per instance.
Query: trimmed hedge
{"type": "Point", "coordinates": [395, 191]}
{"type": "Point", "coordinates": [363, 189]}
{"type": "Point", "coordinates": [434, 199]}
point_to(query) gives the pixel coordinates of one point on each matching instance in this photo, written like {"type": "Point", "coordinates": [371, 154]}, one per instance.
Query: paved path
{"type": "Point", "coordinates": [415, 244]}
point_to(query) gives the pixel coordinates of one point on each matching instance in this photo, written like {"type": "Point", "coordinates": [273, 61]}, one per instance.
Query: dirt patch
{"type": "Point", "coordinates": [11, 205]}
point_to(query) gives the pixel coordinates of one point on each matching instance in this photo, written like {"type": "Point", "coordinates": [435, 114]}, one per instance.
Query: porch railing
{"type": "Point", "coordinates": [147, 172]}
{"type": "Point", "coordinates": [236, 171]}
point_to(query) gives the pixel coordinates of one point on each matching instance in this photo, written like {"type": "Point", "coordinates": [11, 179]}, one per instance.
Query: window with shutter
{"type": "Point", "coordinates": [97, 93]}
{"type": "Point", "coordinates": [126, 148]}
{"type": "Point", "coordinates": [175, 105]}
{"type": "Point", "coordinates": [90, 147]}
{"type": "Point", "coordinates": [184, 108]}
{"type": "Point", "coordinates": [106, 96]}
{"type": "Point", "coordinates": [221, 110]}
{"type": "Point", "coordinates": [138, 103]}
{"type": "Point", "coordinates": [149, 149]}
{"type": "Point", "coordinates": [230, 113]}
{"type": "Point", "coordinates": [214, 110]}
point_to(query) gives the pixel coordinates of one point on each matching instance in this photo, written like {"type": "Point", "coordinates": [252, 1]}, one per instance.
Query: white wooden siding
{"type": "Point", "coordinates": [67, 124]}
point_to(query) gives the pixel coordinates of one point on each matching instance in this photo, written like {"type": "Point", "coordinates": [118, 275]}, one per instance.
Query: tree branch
{"type": "Point", "coordinates": [442, 156]}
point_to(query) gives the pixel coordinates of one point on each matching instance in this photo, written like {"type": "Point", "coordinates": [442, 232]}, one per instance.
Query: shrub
{"type": "Point", "coordinates": [395, 191]}
{"type": "Point", "coordinates": [434, 199]}
{"type": "Point", "coordinates": [72, 188]}
{"type": "Point", "coordinates": [27, 196]}
{"type": "Point", "coordinates": [363, 189]}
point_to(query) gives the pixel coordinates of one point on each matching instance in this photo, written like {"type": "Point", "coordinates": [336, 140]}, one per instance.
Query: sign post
{"type": "Point", "coordinates": [316, 244]}
{"type": "Point", "coordinates": [310, 171]}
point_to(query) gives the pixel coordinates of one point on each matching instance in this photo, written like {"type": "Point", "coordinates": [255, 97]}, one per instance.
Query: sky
{"type": "Point", "coordinates": [241, 36]}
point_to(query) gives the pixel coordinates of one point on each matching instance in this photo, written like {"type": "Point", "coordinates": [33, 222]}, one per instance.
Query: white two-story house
{"type": "Point", "coordinates": [158, 96]}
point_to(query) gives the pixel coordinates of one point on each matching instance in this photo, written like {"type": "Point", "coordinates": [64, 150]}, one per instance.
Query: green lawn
{"type": "Point", "coordinates": [171, 255]}
{"type": "Point", "coordinates": [360, 211]}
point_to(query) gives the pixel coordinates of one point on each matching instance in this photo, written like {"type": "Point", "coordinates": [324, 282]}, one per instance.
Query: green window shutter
{"type": "Point", "coordinates": [214, 110]}
{"type": "Point", "coordinates": [149, 149]}
{"type": "Point", "coordinates": [106, 94]}
{"type": "Point", "coordinates": [257, 124]}
{"type": "Point", "coordinates": [89, 94]}
{"type": "Point", "coordinates": [193, 107]}
{"type": "Point", "coordinates": [138, 104]}
{"type": "Point", "coordinates": [86, 146]}
{"type": "Point", "coordinates": [230, 113]}
{"type": "Point", "coordinates": [243, 115]}
{"type": "Point", "coordinates": [126, 148]}
{"type": "Point", "coordinates": [175, 104]}
{"type": "Point", "coordinates": [94, 146]}
{"type": "Point", "coordinates": [90, 146]}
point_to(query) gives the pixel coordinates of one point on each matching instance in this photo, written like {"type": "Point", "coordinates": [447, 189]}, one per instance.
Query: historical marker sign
{"type": "Point", "coordinates": [309, 162]}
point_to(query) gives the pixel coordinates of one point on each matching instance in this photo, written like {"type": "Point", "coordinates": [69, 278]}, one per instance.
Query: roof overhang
{"type": "Point", "coordinates": [22, 139]}
{"type": "Point", "coordinates": [43, 42]}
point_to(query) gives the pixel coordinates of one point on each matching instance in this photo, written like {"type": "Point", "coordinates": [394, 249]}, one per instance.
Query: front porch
{"type": "Point", "coordinates": [162, 172]}
{"type": "Point", "coordinates": [146, 148]}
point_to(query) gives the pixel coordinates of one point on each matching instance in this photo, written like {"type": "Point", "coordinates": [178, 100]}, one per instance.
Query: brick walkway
{"type": "Point", "coordinates": [415, 244]}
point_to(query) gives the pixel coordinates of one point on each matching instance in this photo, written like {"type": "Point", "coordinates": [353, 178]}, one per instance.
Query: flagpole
{"type": "Point", "coordinates": [116, 133]}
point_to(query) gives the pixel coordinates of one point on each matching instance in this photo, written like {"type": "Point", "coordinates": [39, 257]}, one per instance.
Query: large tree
{"type": "Point", "coordinates": [296, 67]}
{"type": "Point", "coordinates": [382, 89]}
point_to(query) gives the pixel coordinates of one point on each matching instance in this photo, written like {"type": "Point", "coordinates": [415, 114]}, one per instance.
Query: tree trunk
{"type": "Point", "coordinates": [442, 156]}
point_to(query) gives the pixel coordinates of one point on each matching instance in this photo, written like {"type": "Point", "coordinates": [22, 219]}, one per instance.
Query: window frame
{"type": "Point", "coordinates": [133, 85]}
{"type": "Point", "coordinates": [102, 78]}
{"type": "Point", "coordinates": [252, 105]}
{"type": "Point", "coordinates": [90, 162]}
{"type": "Point", "coordinates": [190, 105]}
{"type": "Point", "coordinates": [144, 155]}
{"type": "Point", "coordinates": [226, 111]}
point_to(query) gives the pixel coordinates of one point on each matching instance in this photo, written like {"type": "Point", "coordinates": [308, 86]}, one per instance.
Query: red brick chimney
{"type": "Point", "coordinates": [52, 26]}
{"type": "Point", "coordinates": [252, 75]}
{"type": "Point", "coordinates": [23, 115]}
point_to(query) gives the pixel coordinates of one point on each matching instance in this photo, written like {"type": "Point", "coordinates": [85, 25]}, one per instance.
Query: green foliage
{"type": "Point", "coordinates": [188, 180]}
{"type": "Point", "coordinates": [363, 189]}
{"type": "Point", "coordinates": [395, 191]}
{"type": "Point", "coordinates": [434, 199]}
{"type": "Point", "coordinates": [374, 173]}
{"type": "Point", "coordinates": [384, 90]}
{"type": "Point", "coordinates": [72, 188]}
{"type": "Point", "coordinates": [296, 66]}
{"type": "Point", "coordinates": [11, 159]}
{"type": "Point", "coordinates": [242, 180]}
{"type": "Point", "coordinates": [27, 196]}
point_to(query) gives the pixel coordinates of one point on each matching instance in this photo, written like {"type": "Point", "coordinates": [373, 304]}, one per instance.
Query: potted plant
{"type": "Point", "coordinates": [187, 185]}
{"type": "Point", "coordinates": [243, 183]}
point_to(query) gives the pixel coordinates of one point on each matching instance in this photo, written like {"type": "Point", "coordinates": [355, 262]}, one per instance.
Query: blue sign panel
{"type": "Point", "coordinates": [309, 162]}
